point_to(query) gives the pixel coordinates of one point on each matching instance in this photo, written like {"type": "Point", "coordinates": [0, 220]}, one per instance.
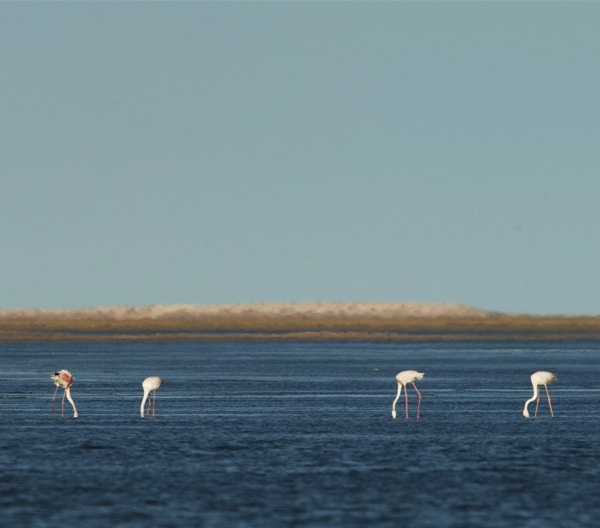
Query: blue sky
{"type": "Point", "coordinates": [224, 152]}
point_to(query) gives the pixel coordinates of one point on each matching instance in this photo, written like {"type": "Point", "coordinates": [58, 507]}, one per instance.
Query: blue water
{"type": "Point", "coordinates": [300, 434]}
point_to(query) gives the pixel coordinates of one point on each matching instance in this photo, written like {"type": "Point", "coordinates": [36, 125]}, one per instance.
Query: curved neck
{"type": "Point", "coordinates": [68, 393]}
{"type": "Point", "coordinates": [535, 395]}
{"type": "Point", "coordinates": [398, 392]}
{"type": "Point", "coordinates": [146, 392]}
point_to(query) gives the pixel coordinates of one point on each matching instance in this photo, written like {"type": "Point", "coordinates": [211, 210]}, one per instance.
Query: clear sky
{"type": "Point", "coordinates": [225, 152]}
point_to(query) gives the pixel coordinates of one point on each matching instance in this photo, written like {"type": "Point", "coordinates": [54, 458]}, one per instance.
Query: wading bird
{"type": "Point", "coordinates": [541, 377]}
{"type": "Point", "coordinates": [150, 384]}
{"type": "Point", "coordinates": [404, 378]}
{"type": "Point", "coordinates": [64, 379]}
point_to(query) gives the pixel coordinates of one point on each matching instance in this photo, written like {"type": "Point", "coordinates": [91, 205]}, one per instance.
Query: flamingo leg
{"type": "Point", "coordinates": [406, 400]}
{"type": "Point", "coordinates": [148, 406]}
{"type": "Point", "coordinates": [419, 404]}
{"type": "Point", "coordinates": [54, 400]}
{"type": "Point", "coordinates": [154, 403]}
{"type": "Point", "coordinates": [549, 402]}
{"type": "Point", "coordinates": [63, 404]}
{"type": "Point", "coordinates": [537, 404]}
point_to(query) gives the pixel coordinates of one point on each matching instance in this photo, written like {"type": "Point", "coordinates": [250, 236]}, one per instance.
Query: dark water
{"type": "Point", "coordinates": [300, 434]}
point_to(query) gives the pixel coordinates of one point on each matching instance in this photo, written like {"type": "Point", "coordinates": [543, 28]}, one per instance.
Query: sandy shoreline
{"type": "Point", "coordinates": [278, 321]}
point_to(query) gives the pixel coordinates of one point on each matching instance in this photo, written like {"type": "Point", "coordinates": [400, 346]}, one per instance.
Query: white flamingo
{"type": "Point", "coordinates": [64, 379]}
{"type": "Point", "coordinates": [150, 384]}
{"type": "Point", "coordinates": [541, 377]}
{"type": "Point", "coordinates": [404, 378]}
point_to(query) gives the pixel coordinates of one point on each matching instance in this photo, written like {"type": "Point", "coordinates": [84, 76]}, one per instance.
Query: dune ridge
{"type": "Point", "coordinates": [263, 309]}
{"type": "Point", "coordinates": [347, 321]}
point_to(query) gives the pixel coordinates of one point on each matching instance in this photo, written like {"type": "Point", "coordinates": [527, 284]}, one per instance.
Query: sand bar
{"type": "Point", "coordinates": [408, 321]}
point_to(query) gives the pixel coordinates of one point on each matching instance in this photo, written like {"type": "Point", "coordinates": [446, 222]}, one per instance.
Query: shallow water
{"type": "Point", "coordinates": [299, 434]}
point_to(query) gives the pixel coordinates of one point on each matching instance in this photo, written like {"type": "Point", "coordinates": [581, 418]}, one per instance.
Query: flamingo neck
{"type": "Point", "coordinates": [146, 392]}
{"type": "Point", "coordinates": [535, 395]}
{"type": "Point", "coordinates": [398, 392]}
{"type": "Point", "coordinates": [68, 393]}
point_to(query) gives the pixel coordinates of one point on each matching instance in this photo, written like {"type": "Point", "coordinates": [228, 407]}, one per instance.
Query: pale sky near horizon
{"type": "Point", "coordinates": [237, 152]}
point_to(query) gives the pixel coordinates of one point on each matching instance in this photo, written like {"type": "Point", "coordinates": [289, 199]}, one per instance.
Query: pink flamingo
{"type": "Point", "coordinates": [150, 384]}
{"type": "Point", "coordinates": [541, 377]}
{"type": "Point", "coordinates": [64, 379]}
{"type": "Point", "coordinates": [404, 378]}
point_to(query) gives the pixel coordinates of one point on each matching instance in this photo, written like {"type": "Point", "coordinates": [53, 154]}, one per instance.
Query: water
{"type": "Point", "coordinates": [299, 434]}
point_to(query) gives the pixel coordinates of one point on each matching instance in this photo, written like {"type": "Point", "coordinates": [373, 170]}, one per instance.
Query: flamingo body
{"type": "Point", "coordinates": [541, 377]}
{"type": "Point", "coordinates": [63, 379]}
{"type": "Point", "coordinates": [403, 379]}
{"type": "Point", "coordinates": [150, 384]}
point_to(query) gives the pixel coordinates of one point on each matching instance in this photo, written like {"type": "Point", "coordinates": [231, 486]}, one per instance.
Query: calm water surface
{"type": "Point", "coordinates": [299, 434]}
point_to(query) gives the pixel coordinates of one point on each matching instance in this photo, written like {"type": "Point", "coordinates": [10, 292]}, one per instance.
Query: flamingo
{"type": "Point", "coordinates": [541, 377]}
{"type": "Point", "coordinates": [64, 379]}
{"type": "Point", "coordinates": [150, 384]}
{"type": "Point", "coordinates": [404, 378]}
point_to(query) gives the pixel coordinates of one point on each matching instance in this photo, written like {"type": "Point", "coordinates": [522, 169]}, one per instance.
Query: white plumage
{"type": "Point", "coordinates": [404, 378]}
